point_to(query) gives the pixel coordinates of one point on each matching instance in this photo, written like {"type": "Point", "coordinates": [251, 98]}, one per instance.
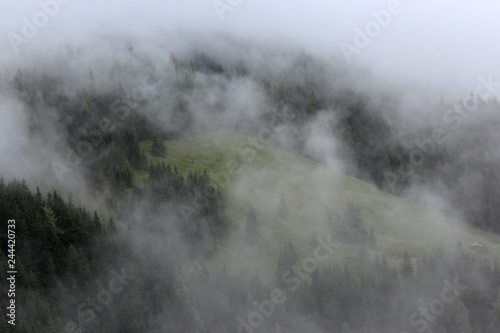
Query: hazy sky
{"type": "Point", "coordinates": [444, 43]}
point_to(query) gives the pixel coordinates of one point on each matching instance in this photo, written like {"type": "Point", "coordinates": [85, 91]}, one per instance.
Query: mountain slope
{"type": "Point", "coordinates": [254, 174]}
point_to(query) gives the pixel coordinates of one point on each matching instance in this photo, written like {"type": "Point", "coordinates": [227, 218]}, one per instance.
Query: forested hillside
{"type": "Point", "coordinates": [447, 150]}
{"type": "Point", "coordinates": [209, 209]}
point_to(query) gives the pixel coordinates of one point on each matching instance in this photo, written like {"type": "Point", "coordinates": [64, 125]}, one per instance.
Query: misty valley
{"type": "Point", "coordinates": [235, 186]}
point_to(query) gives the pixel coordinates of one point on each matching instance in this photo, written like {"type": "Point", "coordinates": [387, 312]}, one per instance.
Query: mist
{"type": "Point", "coordinates": [436, 50]}
{"type": "Point", "coordinates": [304, 118]}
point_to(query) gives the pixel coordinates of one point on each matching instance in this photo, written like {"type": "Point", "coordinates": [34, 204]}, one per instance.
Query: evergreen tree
{"type": "Point", "coordinates": [251, 227]}
{"type": "Point", "coordinates": [286, 260]}
{"type": "Point", "coordinates": [96, 221]}
{"type": "Point", "coordinates": [111, 225]}
{"type": "Point", "coordinates": [158, 148]}
{"type": "Point", "coordinates": [133, 152]}
{"type": "Point", "coordinates": [48, 273]}
{"type": "Point", "coordinates": [462, 317]}
{"type": "Point", "coordinates": [406, 266]}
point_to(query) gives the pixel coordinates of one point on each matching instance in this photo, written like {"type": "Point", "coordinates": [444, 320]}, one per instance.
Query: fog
{"type": "Point", "coordinates": [441, 46]}
{"type": "Point", "coordinates": [423, 56]}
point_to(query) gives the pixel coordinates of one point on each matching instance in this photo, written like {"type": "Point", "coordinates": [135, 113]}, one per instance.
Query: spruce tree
{"type": "Point", "coordinates": [251, 227]}
{"type": "Point", "coordinates": [158, 148]}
